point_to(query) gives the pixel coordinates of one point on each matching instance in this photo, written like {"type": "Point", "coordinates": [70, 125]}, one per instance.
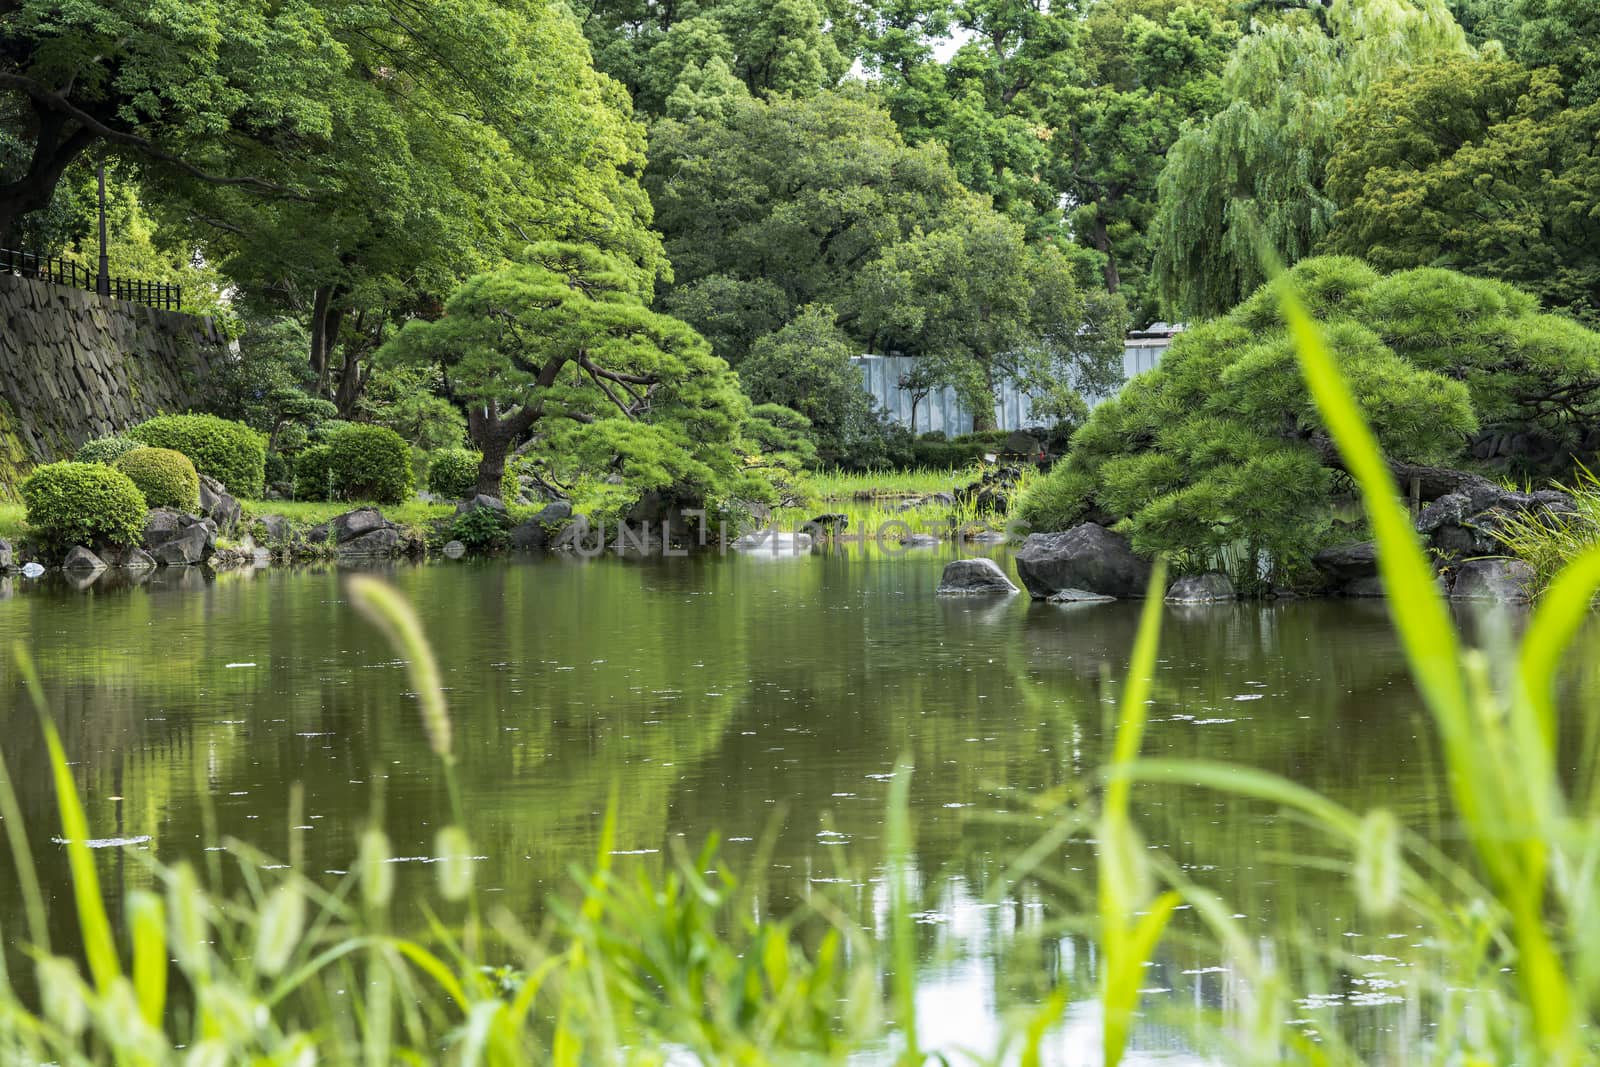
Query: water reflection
{"type": "Point", "coordinates": [731, 695]}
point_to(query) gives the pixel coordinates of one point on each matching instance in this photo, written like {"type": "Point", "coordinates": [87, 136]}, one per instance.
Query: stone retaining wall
{"type": "Point", "coordinates": [74, 366]}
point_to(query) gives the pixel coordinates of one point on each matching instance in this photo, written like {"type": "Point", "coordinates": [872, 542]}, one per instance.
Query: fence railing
{"type": "Point", "coordinates": [65, 272]}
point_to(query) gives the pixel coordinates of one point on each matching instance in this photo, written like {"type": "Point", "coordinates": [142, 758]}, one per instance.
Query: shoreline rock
{"type": "Point", "coordinates": [975, 577]}
{"type": "Point", "coordinates": [1087, 557]}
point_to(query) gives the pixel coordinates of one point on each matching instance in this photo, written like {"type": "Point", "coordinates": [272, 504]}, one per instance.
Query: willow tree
{"type": "Point", "coordinates": [1254, 173]}
{"type": "Point", "coordinates": [562, 346]}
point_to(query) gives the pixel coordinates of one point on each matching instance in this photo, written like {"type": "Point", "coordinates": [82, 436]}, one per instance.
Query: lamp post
{"type": "Point", "coordinates": [102, 278]}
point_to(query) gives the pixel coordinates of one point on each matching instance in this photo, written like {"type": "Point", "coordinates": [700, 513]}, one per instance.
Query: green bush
{"type": "Point", "coordinates": [313, 473]}
{"type": "Point", "coordinates": [453, 473]}
{"type": "Point", "coordinates": [230, 452]}
{"type": "Point", "coordinates": [481, 530]}
{"type": "Point", "coordinates": [370, 463]}
{"type": "Point", "coordinates": [105, 449]}
{"type": "Point", "coordinates": [84, 504]}
{"type": "Point", "coordinates": [165, 477]}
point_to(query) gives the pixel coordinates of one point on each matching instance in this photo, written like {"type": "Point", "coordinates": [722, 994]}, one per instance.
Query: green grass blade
{"type": "Point", "coordinates": [147, 927]}
{"type": "Point", "coordinates": [901, 936]}
{"type": "Point", "coordinates": [99, 946]}
{"type": "Point", "coordinates": [1567, 604]}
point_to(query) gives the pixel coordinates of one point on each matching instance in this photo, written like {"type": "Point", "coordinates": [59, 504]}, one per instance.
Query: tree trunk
{"type": "Point", "coordinates": [53, 151]}
{"type": "Point", "coordinates": [983, 416]}
{"type": "Point", "coordinates": [494, 437]}
{"type": "Point", "coordinates": [319, 334]}
{"type": "Point", "coordinates": [1102, 242]}
{"type": "Point", "coordinates": [351, 382]}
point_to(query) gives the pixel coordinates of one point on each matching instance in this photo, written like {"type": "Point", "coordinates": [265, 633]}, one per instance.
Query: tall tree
{"type": "Point", "coordinates": [1479, 166]}
{"type": "Point", "coordinates": [442, 158]}
{"type": "Point", "coordinates": [563, 345]}
{"type": "Point", "coordinates": [229, 92]}
{"type": "Point", "coordinates": [1254, 173]}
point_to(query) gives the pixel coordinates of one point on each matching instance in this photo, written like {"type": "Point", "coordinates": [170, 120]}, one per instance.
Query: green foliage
{"type": "Point", "coordinates": [230, 452]}
{"type": "Point", "coordinates": [266, 386]}
{"type": "Point", "coordinates": [453, 473]}
{"type": "Point", "coordinates": [166, 478]}
{"type": "Point", "coordinates": [105, 449]}
{"type": "Point", "coordinates": [805, 366]}
{"type": "Point", "coordinates": [367, 463]}
{"type": "Point", "coordinates": [1221, 447]}
{"type": "Point", "coordinates": [1254, 173]}
{"type": "Point", "coordinates": [410, 402]}
{"type": "Point", "coordinates": [1549, 541]}
{"type": "Point", "coordinates": [313, 473]}
{"type": "Point", "coordinates": [1479, 166]}
{"type": "Point", "coordinates": [83, 504]}
{"type": "Point", "coordinates": [562, 345]}
{"type": "Point", "coordinates": [481, 529]}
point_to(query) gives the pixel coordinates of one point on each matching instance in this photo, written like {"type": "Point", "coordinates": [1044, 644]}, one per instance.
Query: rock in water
{"type": "Point", "coordinates": [974, 577]}
{"type": "Point", "coordinates": [1509, 581]}
{"type": "Point", "coordinates": [1087, 557]}
{"type": "Point", "coordinates": [454, 550]}
{"type": "Point", "coordinates": [176, 539]}
{"type": "Point", "coordinates": [81, 559]}
{"type": "Point", "coordinates": [32, 569]}
{"type": "Point", "coordinates": [1212, 587]}
{"type": "Point", "coordinates": [7, 554]}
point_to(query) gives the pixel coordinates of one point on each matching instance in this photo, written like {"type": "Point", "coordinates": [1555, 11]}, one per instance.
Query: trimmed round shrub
{"type": "Point", "coordinates": [370, 463]}
{"type": "Point", "coordinates": [313, 473]}
{"type": "Point", "coordinates": [105, 449]}
{"type": "Point", "coordinates": [166, 478]}
{"type": "Point", "coordinates": [453, 473]}
{"type": "Point", "coordinates": [230, 452]}
{"type": "Point", "coordinates": [84, 504]}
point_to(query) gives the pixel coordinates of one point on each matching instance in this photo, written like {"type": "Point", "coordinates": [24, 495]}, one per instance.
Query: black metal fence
{"type": "Point", "coordinates": [65, 272]}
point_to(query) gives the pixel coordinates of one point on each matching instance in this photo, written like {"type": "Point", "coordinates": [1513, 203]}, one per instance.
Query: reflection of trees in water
{"type": "Point", "coordinates": [714, 694]}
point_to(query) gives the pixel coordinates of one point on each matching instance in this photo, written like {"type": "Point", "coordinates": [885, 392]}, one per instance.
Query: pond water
{"type": "Point", "coordinates": [743, 696]}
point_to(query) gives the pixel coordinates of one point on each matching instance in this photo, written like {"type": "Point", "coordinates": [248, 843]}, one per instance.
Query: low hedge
{"type": "Point", "coordinates": [165, 477]}
{"type": "Point", "coordinates": [453, 473]}
{"type": "Point", "coordinates": [84, 504]}
{"type": "Point", "coordinates": [106, 449]}
{"type": "Point", "coordinates": [371, 464]}
{"type": "Point", "coordinates": [228, 451]}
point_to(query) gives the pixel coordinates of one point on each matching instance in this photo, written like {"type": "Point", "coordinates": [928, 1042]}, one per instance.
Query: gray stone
{"type": "Point", "coordinates": [454, 550]}
{"type": "Point", "coordinates": [384, 541]}
{"type": "Point", "coordinates": [493, 503]}
{"type": "Point", "coordinates": [555, 511]}
{"type": "Point", "coordinates": [7, 555]}
{"type": "Point", "coordinates": [1088, 557]}
{"type": "Point", "coordinates": [917, 540]}
{"type": "Point", "coordinates": [1505, 580]}
{"type": "Point", "coordinates": [974, 577]}
{"type": "Point", "coordinates": [274, 528]}
{"type": "Point", "coordinates": [81, 559]}
{"type": "Point", "coordinates": [348, 526]}
{"type": "Point", "coordinates": [1371, 586]}
{"type": "Point", "coordinates": [1343, 564]}
{"type": "Point", "coordinates": [830, 521]}
{"type": "Point", "coordinates": [218, 505]}
{"type": "Point", "coordinates": [176, 539]}
{"type": "Point", "coordinates": [32, 569]}
{"type": "Point", "coordinates": [529, 536]}
{"type": "Point", "coordinates": [1209, 588]}
{"type": "Point", "coordinates": [1078, 596]}
{"type": "Point", "coordinates": [137, 559]}
{"type": "Point", "coordinates": [1020, 443]}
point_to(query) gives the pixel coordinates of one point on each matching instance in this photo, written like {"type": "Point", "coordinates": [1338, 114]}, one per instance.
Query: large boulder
{"type": "Point", "coordinates": [482, 500]}
{"type": "Point", "coordinates": [1343, 565]}
{"type": "Point", "coordinates": [80, 560]}
{"type": "Point", "coordinates": [274, 529]}
{"type": "Point", "coordinates": [176, 539]}
{"type": "Point", "coordinates": [1088, 557]}
{"type": "Point", "coordinates": [1505, 580]}
{"type": "Point", "coordinates": [218, 505]}
{"type": "Point", "coordinates": [362, 532]}
{"type": "Point", "coordinates": [974, 577]}
{"type": "Point", "coordinates": [1210, 588]}
{"type": "Point", "coordinates": [1472, 520]}
{"type": "Point", "coordinates": [8, 555]}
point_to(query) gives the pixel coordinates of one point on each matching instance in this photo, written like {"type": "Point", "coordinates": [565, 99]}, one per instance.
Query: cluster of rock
{"type": "Point", "coordinates": [991, 492]}
{"type": "Point", "coordinates": [1465, 528]}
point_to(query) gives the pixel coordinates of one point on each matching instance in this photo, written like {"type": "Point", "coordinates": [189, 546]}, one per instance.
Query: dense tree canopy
{"type": "Point", "coordinates": [1253, 175]}
{"type": "Point", "coordinates": [561, 345]}
{"type": "Point", "coordinates": [1479, 166]}
{"type": "Point", "coordinates": [1221, 448]}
